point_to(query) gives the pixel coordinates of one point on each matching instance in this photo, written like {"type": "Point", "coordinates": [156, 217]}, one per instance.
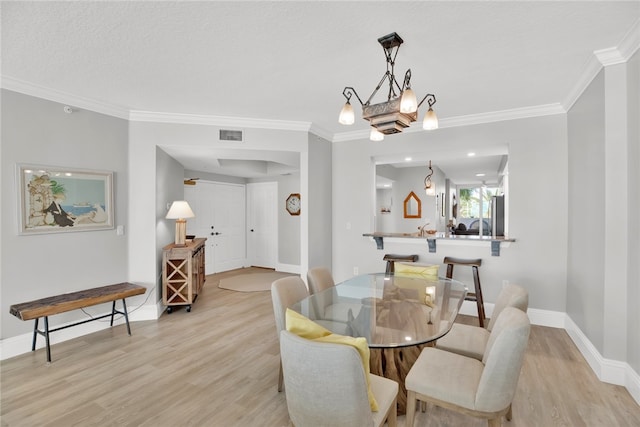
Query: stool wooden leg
{"type": "Point", "coordinates": [479, 300]}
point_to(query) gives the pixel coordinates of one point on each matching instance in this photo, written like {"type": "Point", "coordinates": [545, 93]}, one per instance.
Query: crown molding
{"type": "Point", "coordinates": [471, 119]}
{"type": "Point", "coordinates": [631, 41]}
{"type": "Point", "coordinates": [604, 58]}
{"type": "Point", "coordinates": [223, 121]}
{"type": "Point", "coordinates": [79, 102]}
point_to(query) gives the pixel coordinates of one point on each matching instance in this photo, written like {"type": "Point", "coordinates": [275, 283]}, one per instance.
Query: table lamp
{"type": "Point", "coordinates": [180, 210]}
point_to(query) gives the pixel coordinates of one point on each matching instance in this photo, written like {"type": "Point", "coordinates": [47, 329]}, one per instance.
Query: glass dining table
{"type": "Point", "coordinates": [397, 314]}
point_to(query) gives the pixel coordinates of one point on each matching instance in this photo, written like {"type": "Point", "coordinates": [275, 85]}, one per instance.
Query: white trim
{"type": "Point", "coordinates": [607, 370]}
{"type": "Point", "coordinates": [65, 98]}
{"type": "Point", "coordinates": [20, 344]}
{"type": "Point", "coordinates": [631, 41]}
{"type": "Point", "coordinates": [591, 70]}
{"type": "Point", "coordinates": [604, 57]}
{"type": "Point", "coordinates": [471, 119]}
{"type": "Point", "coordinates": [548, 318]}
{"type": "Point", "coordinates": [209, 120]}
{"type": "Point", "coordinates": [288, 268]}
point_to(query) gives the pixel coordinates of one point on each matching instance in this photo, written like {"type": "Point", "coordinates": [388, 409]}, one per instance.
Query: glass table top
{"type": "Point", "coordinates": [388, 310]}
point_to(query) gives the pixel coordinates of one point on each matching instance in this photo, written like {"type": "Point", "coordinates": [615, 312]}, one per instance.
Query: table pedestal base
{"type": "Point", "coordinates": [395, 363]}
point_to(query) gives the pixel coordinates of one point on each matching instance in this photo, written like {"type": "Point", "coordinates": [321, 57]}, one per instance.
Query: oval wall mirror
{"type": "Point", "coordinates": [412, 206]}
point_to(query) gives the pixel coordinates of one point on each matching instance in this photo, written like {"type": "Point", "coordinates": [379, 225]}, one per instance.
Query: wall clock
{"type": "Point", "coordinates": [293, 204]}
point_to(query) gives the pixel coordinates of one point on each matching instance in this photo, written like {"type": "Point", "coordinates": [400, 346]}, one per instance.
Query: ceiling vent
{"type": "Point", "coordinates": [230, 135]}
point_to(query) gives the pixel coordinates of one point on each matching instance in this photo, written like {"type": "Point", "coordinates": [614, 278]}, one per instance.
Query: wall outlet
{"type": "Point", "coordinates": [355, 271]}
{"type": "Point", "coordinates": [505, 283]}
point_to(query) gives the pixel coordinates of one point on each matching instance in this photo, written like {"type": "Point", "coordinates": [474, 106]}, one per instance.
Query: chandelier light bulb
{"type": "Point", "coordinates": [430, 120]}
{"type": "Point", "coordinates": [347, 116]}
{"type": "Point", "coordinates": [375, 135]}
{"type": "Point", "coordinates": [408, 103]}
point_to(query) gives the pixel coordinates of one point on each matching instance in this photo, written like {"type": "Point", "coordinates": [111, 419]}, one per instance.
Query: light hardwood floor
{"type": "Point", "coordinates": [218, 366]}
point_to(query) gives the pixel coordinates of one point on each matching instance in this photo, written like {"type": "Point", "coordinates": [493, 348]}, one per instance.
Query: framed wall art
{"type": "Point", "coordinates": [56, 199]}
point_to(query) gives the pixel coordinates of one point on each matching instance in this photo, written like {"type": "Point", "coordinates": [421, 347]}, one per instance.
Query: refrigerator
{"type": "Point", "coordinates": [497, 216]}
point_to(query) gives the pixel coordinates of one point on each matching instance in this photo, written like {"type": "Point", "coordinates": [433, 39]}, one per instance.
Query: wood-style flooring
{"type": "Point", "coordinates": [218, 366]}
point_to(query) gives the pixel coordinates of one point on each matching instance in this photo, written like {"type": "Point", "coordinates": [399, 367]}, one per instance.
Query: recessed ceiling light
{"type": "Point", "coordinates": [471, 154]}
{"type": "Point", "coordinates": [407, 159]}
{"type": "Point", "coordinates": [479, 174]}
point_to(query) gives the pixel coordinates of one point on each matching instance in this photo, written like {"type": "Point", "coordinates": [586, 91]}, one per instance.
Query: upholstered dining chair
{"type": "Point", "coordinates": [284, 293]}
{"type": "Point", "coordinates": [471, 341]}
{"type": "Point", "coordinates": [483, 389]}
{"type": "Point", "coordinates": [319, 279]}
{"type": "Point", "coordinates": [326, 385]}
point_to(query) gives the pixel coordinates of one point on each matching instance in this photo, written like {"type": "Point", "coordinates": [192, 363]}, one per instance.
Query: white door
{"type": "Point", "coordinates": [220, 217]}
{"type": "Point", "coordinates": [262, 224]}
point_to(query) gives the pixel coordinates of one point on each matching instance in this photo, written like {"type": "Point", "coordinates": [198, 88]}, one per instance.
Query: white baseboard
{"type": "Point", "coordinates": [288, 268]}
{"type": "Point", "coordinates": [552, 319]}
{"type": "Point", "coordinates": [607, 370]}
{"type": "Point", "coordinates": [20, 344]}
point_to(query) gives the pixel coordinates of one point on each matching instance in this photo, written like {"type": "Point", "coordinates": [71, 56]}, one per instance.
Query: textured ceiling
{"type": "Point", "coordinates": [290, 61]}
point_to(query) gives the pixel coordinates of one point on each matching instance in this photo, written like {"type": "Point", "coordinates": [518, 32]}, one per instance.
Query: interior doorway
{"type": "Point", "coordinates": [220, 217]}
{"type": "Point", "coordinates": [262, 224]}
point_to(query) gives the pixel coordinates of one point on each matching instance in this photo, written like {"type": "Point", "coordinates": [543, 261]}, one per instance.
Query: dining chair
{"type": "Point", "coordinates": [326, 385]}
{"type": "Point", "coordinates": [471, 341]}
{"type": "Point", "coordinates": [483, 389]}
{"type": "Point", "coordinates": [319, 279]}
{"type": "Point", "coordinates": [284, 293]}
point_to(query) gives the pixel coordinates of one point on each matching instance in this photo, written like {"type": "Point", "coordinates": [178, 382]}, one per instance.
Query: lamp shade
{"type": "Point", "coordinates": [347, 116]}
{"type": "Point", "coordinates": [408, 102]}
{"type": "Point", "coordinates": [430, 120]}
{"type": "Point", "coordinates": [376, 135]}
{"type": "Point", "coordinates": [180, 209]}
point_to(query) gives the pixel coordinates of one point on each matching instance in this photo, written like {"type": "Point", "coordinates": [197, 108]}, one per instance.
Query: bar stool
{"type": "Point", "coordinates": [471, 296]}
{"type": "Point", "coordinates": [392, 258]}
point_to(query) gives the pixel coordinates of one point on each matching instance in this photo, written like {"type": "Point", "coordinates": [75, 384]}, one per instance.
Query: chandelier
{"type": "Point", "coordinates": [401, 107]}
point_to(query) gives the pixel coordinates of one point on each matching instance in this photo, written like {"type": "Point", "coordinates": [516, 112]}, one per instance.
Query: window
{"type": "Point", "coordinates": [475, 209]}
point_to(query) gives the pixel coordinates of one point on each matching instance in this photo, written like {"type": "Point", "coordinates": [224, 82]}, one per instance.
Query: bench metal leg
{"type": "Point", "coordinates": [35, 335]}
{"type": "Point", "coordinates": [126, 316]}
{"type": "Point", "coordinates": [46, 338]}
{"type": "Point", "coordinates": [113, 312]}
{"type": "Point", "coordinates": [44, 333]}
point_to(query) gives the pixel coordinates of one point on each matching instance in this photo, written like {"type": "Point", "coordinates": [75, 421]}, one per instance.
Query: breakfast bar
{"type": "Point", "coordinates": [431, 239]}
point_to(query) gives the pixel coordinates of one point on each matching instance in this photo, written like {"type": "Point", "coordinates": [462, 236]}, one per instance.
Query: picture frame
{"type": "Point", "coordinates": [55, 199]}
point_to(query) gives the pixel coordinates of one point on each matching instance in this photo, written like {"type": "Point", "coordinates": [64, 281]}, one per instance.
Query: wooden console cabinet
{"type": "Point", "coordinates": [182, 273]}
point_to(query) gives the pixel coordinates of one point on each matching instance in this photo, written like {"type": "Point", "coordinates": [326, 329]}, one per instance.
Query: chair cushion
{"type": "Point", "coordinates": [417, 269]}
{"type": "Point", "coordinates": [445, 376]}
{"type": "Point", "coordinates": [466, 340]}
{"type": "Point", "coordinates": [302, 326]}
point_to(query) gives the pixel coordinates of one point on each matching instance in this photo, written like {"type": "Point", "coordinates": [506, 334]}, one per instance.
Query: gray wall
{"type": "Point", "coordinates": [169, 187]}
{"type": "Point", "coordinates": [585, 260]}
{"type": "Point", "coordinates": [35, 266]}
{"type": "Point", "coordinates": [537, 203]}
{"type": "Point", "coordinates": [288, 225]}
{"type": "Point", "coordinates": [633, 194]}
{"type": "Point", "coordinates": [320, 205]}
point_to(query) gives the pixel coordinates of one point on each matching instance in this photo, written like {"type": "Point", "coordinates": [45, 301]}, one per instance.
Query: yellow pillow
{"type": "Point", "coordinates": [300, 325]}
{"type": "Point", "coordinates": [417, 269]}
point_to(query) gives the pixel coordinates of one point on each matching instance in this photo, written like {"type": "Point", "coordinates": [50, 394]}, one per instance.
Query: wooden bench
{"type": "Point", "coordinates": [49, 306]}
